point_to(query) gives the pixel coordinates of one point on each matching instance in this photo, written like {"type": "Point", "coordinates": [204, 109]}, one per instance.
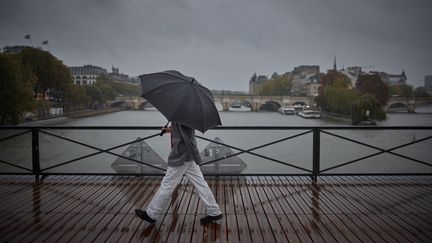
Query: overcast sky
{"type": "Point", "coordinates": [223, 42]}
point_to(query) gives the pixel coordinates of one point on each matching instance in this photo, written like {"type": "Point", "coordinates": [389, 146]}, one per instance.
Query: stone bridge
{"type": "Point", "coordinates": [411, 103]}
{"type": "Point", "coordinates": [256, 102]}
{"type": "Point", "coordinates": [223, 102]}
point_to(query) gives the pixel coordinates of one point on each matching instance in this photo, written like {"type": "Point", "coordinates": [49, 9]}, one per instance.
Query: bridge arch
{"type": "Point", "coordinates": [121, 104]}
{"type": "Point", "coordinates": [397, 107]}
{"type": "Point", "coordinates": [270, 105]}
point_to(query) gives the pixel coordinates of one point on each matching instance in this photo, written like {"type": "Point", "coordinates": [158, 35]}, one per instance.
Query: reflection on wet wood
{"type": "Point", "coordinates": [261, 209]}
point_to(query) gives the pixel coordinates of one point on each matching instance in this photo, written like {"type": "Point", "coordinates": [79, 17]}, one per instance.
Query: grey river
{"type": "Point", "coordinates": [296, 151]}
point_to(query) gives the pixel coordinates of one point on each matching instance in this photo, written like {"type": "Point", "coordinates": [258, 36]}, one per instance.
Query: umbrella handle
{"type": "Point", "coordinates": [162, 130]}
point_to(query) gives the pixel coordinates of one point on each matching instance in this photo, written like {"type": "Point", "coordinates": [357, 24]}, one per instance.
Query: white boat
{"type": "Point", "coordinates": [285, 110]}
{"type": "Point", "coordinates": [310, 114]}
{"type": "Point", "coordinates": [239, 107]}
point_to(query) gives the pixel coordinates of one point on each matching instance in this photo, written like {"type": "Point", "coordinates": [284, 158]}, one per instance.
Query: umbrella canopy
{"type": "Point", "coordinates": [180, 99]}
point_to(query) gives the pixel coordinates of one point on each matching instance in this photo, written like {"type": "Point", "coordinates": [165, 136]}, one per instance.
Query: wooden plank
{"type": "Point", "coordinates": [237, 197]}
{"type": "Point", "coordinates": [187, 229]}
{"type": "Point", "coordinates": [28, 223]}
{"type": "Point", "coordinates": [290, 209]}
{"type": "Point", "coordinates": [342, 230]}
{"type": "Point", "coordinates": [59, 226]}
{"type": "Point", "coordinates": [318, 229]}
{"type": "Point", "coordinates": [355, 211]}
{"type": "Point", "coordinates": [377, 214]}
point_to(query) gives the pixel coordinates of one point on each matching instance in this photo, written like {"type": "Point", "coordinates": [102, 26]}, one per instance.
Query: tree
{"type": "Point", "coordinates": [281, 85]}
{"type": "Point", "coordinates": [52, 76]}
{"type": "Point", "coordinates": [421, 92]}
{"type": "Point", "coordinates": [15, 90]}
{"type": "Point", "coordinates": [331, 79]}
{"type": "Point", "coordinates": [372, 84]}
{"type": "Point", "coordinates": [340, 100]}
{"type": "Point", "coordinates": [403, 90]}
{"type": "Point", "coordinates": [367, 108]}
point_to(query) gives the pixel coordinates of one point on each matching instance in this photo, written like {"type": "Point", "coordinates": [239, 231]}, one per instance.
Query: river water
{"type": "Point", "coordinates": [296, 151]}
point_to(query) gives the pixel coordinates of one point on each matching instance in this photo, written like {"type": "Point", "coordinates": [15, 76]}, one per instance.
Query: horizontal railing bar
{"type": "Point", "coordinates": [226, 127]}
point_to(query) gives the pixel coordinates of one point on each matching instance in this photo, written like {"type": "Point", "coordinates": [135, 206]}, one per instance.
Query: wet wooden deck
{"type": "Point", "coordinates": [257, 209]}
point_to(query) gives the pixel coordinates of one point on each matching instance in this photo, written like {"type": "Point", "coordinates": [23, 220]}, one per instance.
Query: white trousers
{"type": "Point", "coordinates": [172, 178]}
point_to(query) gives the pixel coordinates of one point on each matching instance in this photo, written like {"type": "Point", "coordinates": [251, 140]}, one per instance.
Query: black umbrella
{"type": "Point", "coordinates": [180, 99]}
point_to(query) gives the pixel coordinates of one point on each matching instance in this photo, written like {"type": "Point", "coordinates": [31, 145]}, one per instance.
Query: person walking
{"type": "Point", "coordinates": [183, 160]}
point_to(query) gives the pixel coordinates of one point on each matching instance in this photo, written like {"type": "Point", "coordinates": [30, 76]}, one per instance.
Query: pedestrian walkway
{"type": "Point", "coordinates": [256, 209]}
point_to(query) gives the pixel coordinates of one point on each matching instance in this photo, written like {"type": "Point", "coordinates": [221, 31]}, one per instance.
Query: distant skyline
{"type": "Point", "coordinates": [223, 42]}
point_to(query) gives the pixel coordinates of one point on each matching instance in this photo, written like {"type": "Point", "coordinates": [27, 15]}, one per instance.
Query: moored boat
{"type": "Point", "coordinates": [285, 110]}
{"type": "Point", "coordinates": [310, 114]}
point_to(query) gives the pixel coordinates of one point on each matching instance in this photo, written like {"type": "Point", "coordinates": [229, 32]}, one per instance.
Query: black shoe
{"type": "Point", "coordinates": [144, 216]}
{"type": "Point", "coordinates": [209, 219]}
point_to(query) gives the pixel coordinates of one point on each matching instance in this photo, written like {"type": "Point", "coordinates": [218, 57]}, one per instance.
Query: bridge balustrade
{"type": "Point", "coordinates": [276, 150]}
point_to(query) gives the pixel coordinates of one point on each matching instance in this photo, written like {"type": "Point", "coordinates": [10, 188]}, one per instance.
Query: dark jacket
{"type": "Point", "coordinates": [184, 145]}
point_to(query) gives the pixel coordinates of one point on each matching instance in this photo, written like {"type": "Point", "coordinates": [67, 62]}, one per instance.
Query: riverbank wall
{"type": "Point", "coordinates": [345, 119]}
{"type": "Point", "coordinates": [51, 120]}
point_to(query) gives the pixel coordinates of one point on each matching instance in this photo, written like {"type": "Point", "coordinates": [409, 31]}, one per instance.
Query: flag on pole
{"type": "Point", "coordinates": [27, 37]}
{"type": "Point", "coordinates": [45, 43]}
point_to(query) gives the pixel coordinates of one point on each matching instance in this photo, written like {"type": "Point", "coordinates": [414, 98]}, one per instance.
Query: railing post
{"type": "Point", "coordinates": [35, 153]}
{"type": "Point", "coordinates": [316, 154]}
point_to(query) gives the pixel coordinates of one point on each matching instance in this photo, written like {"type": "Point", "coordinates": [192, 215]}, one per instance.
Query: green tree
{"type": "Point", "coordinates": [367, 108]}
{"type": "Point", "coordinates": [280, 85]}
{"type": "Point", "coordinates": [340, 100]}
{"type": "Point", "coordinates": [52, 76]}
{"type": "Point", "coordinates": [403, 90]}
{"type": "Point", "coordinates": [331, 79]}
{"type": "Point", "coordinates": [372, 84]}
{"type": "Point", "coordinates": [15, 90]}
{"type": "Point", "coordinates": [421, 92]}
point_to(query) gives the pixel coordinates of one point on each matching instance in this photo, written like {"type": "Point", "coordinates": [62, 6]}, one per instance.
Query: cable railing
{"type": "Point", "coordinates": [315, 140]}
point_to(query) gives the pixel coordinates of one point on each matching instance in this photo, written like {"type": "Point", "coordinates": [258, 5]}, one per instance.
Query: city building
{"type": "Point", "coordinates": [116, 76]}
{"type": "Point", "coordinates": [87, 74]}
{"type": "Point", "coordinates": [428, 84]}
{"type": "Point", "coordinates": [305, 80]}
{"type": "Point", "coordinates": [255, 82]}
{"type": "Point", "coordinates": [393, 79]}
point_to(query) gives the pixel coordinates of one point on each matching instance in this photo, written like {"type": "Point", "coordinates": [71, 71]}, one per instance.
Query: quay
{"type": "Point", "coordinates": [100, 208]}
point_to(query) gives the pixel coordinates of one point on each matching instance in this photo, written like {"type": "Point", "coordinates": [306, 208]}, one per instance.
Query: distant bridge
{"type": "Point", "coordinates": [222, 101]}
{"type": "Point", "coordinates": [411, 103]}
{"type": "Point", "coordinates": [256, 102]}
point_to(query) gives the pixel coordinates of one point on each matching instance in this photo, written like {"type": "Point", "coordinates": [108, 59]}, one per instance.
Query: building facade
{"type": "Point", "coordinates": [428, 84]}
{"type": "Point", "coordinates": [116, 76]}
{"type": "Point", "coordinates": [87, 74]}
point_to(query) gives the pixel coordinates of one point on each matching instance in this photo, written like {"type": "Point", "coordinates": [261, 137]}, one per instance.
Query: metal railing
{"type": "Point", "coordinates": [316, 133]}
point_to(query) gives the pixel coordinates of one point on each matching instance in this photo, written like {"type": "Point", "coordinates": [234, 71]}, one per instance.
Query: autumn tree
{"type": "Point", "coordinates": [332, 79]}
{"type": "Point", "coordinates": [16, 95]}
{"type": "Point", "coordinates": [421, 92]}
{"type": "Point", "coordinates": [367, 108]}
{"type": "Point", "coordinates": [372, 84]}
{"type": "Point", "coordinates": [340, 100]}
{"type": "Point", "coordinates": [52, 76]}
{"type": "Point", "coordinates": [403, 90]}
{"type": "Point", "coordinates": [280, 85]}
